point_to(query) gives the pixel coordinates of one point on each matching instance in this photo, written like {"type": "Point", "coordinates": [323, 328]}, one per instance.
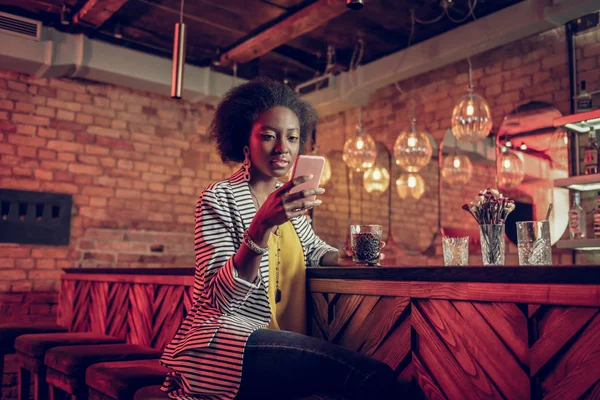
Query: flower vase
{"type": "Point", "coordinates": [492, 243]}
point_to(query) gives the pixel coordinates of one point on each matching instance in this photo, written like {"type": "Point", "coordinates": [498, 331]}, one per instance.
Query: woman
{"type": "Point", "coordinates": [243, 337]}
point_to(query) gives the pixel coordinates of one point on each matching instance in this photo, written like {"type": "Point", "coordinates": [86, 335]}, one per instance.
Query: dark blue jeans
{"type": "Point", "coordinates": [286, 365]}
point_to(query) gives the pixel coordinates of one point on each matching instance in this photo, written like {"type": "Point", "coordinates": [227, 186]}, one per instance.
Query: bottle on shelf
{"type": "Point", "coordinates": [597, 217]}
{"type": "Point", "coordinates": [584, 100]}
{"type": "Point", "coordinates": [577, 226]}
{"type": "Point", "coordinates": [591, 154]}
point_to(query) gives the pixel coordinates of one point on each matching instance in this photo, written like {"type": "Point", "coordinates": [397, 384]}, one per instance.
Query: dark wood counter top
{"type": "Point", "coordinates": [496, 274]}
{"type": "Point", "coordinates": [580, 274]}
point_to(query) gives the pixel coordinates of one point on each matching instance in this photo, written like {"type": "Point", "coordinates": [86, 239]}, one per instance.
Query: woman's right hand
{"type": "Point", "coordinates": [281, 205]}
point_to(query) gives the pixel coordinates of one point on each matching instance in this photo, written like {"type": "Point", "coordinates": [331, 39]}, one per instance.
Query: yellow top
{"type": "Point", "coordinates": [290, 313]}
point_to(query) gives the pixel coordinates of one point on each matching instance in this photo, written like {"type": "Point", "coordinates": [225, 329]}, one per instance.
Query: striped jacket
{"type": "Point", "coordinates": [205, 356]}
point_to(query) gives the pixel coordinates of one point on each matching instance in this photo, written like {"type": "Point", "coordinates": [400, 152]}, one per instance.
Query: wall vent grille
{"type": "Point", "coordinates": [19, 26]}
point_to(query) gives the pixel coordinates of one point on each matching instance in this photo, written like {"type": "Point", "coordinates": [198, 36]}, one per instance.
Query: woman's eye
{"type": "Point", "coordinates": [293, 138]}
{"type": "Point", "coordinates": [267, 136]}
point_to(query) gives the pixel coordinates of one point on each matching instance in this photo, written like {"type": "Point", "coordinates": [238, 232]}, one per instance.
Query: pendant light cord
{"type": "Point", "coordinates": [181, 13]}
{"type": "Point", "coordinates": [470, 73]}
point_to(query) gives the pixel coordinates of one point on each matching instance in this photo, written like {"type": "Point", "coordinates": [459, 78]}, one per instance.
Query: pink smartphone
{"type": "Point", "coordinates": [307, 165]}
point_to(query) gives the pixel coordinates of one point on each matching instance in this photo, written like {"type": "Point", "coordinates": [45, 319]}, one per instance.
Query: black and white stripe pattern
{"type": "Point", "coordinates": [205, 355]}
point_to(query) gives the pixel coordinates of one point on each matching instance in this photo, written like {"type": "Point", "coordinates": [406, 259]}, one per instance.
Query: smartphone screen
{"type": "Point", "coordinates": [308, 165]}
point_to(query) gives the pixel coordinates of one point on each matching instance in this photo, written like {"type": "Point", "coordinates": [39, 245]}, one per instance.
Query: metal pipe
{"type": "Point", "coordinates": [178, 60]}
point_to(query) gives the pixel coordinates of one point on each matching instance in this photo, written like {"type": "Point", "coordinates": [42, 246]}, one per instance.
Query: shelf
{"type": "Point", "coordinates": [580, 122]}
{"type": "Point", "coordinates": [582, 183]}
{"type": "Point", "coordinates": [579, 244]}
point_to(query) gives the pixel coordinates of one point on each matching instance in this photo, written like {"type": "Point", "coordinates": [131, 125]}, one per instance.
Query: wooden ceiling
{"type": "Point", "coordinates": [275, 38]}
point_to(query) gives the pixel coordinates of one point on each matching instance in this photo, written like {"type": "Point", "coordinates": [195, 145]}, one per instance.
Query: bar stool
{"type": "Point", "coordinates": [31, 350]}
{"type": "Point", "coordinates": [150, 393]}
{"type": "Point", "coordinates": [66, 365]}
{"type": "Point", "coordinates": [10, 331]}
{"type": "Point", "coordinates": [120, 380]}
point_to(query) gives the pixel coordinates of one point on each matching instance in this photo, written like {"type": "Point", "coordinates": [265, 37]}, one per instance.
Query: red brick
{"type": "Point", "coordinates": [96, 150]}
{"type": "Point", "coordinates": [84, 119]}
{"type": "Point", "coordinates": [24, 263]}
{"type": "Point", "coordinates": [7, 127]}
{"type": "Point", "coordinates": [7, 148]}
{"type": "Point", "coordinates": [61, 145]}
{"type": "Point", "coordinates": [10, 274]}
{"type": "Point", "coordinates": [85, 169]}
{"type": "Point", "coordinates": [61, 187]}
{"type": "Point", "coordinates": [25, 107]}
{"type": "Point", "coordinates": [22, 184]}
{"type": "Point", "coordinates": [47, 133]}
{"type": "Point", "coordinates": [64, 105]}
{"type": "Point", "coordinates": [67, 157]}
{"type": "Point", "coordinates": [50, 252]}
{"type": "Point", "coordinates": [22, 172]}
{"type": "Point", "coordinates": [47, 263]}
{"type": "Point", "coordinates": [23, 129]}
{"type": "Point", "coordinates": [7, 105]}
{"type": "Point", "coordinates": [43, 175]}
{"type": "Point", "coordinates": [54, 165]}
{"type": "Point", "coordinates": [30, 119]}
{"type": "Point", "coordinates": [24, 151]}
{"type": "Point", "coordinates": [46, 154]}
{"type": "Point", "coordinates": [65, 115]}
{"type": "Point", "coordinates": [27, 141]}
{"type": "Point", "coordinates": [17, 86]}
{"type": "Point", "coordinates": [67, 125]}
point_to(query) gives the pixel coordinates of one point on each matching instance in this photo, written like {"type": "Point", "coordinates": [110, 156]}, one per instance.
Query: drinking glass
{"type": "Point", "coordinates": [365, 241]}
{"type": "Point", "coordinates": [456, 250]}
{"type": "Point", "coordinates": [533, 243]}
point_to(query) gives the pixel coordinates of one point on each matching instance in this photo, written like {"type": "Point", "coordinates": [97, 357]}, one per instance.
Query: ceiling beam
{"type": "Point", "coordinates": [97, 12]}
{"type": "Point", "coordinates": [297, 24]}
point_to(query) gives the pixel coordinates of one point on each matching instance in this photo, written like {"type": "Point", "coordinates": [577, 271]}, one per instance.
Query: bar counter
{"type": "Point", "coordinates": [457, 332]}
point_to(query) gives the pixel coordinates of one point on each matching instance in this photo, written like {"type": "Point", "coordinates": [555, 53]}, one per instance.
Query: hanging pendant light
{"type": "Point", "coordinates": [410, 186]}
{"type": "Point", "coordinates": [178, 57]}
{"type": "Point", "coordinates": [510, 170]}
{"type": "Point", "coordinates": [360, 151]}
{"type": "Point", "coordinates": [376, 180]}
{"type": "Point", "coordinates": [457, 169]}
{"type": "Point", "coordinates": [413, 150]}
{"type": "Point", "coordinates": [471, 117]}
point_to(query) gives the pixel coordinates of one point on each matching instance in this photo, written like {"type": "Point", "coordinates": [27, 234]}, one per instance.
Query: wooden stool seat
{"type": "Point", "coordinates": [9, 332]}
{"type": "Point", "coordinates": [66, 365]}
{"type": "Point", "coordinates": [31, 350]}
{"type": "Point", "coordinates": [120, 380]}
{"type": "Point", "coordinates": [150, 393]}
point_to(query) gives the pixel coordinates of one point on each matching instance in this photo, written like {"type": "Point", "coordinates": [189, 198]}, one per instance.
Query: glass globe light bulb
{"type": "Point", "coordinates": [410, 185]}
{"type": "Point", "coordinates": [376, 180]}
{"type": "Point", "coordinates": [413, 150]}
{"type": "Point", "coordinates": [360, 152]}
{"type": "Point", "coordinates": [471, 118]}
{"type": "Point", "coordinates": [457, 169]}
{"type": "Point", "coordinates": [511, 172]}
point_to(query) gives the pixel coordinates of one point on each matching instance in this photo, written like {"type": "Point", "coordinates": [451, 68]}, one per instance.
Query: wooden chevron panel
{"type": "Point", "coordinates": [82, 304]}
{"type": "Point", "coordinates": [145, 314]}
{"type": "Point", "coordinates": [372, 325]}
{"type": "Point", "coordinates": [65, 303]}
{"type": "Point", "coordinates": [565, 356]}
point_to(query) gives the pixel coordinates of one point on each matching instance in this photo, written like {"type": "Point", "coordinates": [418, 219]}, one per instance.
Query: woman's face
{"type": "Point", "coordinates": [274, 141]}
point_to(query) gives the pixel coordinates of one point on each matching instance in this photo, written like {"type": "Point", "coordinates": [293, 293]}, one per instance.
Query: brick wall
{"type": "Point", "coordinates": [535, 68]}
{"type": "Point", "coordinates": [135, 162]}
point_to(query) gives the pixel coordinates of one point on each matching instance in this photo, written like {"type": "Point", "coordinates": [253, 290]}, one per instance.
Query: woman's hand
{"type": "Point", "coordinates": [281, 205]}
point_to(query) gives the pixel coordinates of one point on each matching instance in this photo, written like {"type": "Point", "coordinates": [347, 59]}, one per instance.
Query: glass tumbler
{"type": "Point", "coordinates": [456, 250]}
{"type": "Point", "coordinates": [365, 241]}
{"type": "Point", "coordinates": [533, 243]}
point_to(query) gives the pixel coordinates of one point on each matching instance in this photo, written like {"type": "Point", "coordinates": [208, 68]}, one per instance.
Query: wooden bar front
{"type": "Point", "coordinates": [458, 332]}
{"type": "Point", "coordinates": [472, 332]}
